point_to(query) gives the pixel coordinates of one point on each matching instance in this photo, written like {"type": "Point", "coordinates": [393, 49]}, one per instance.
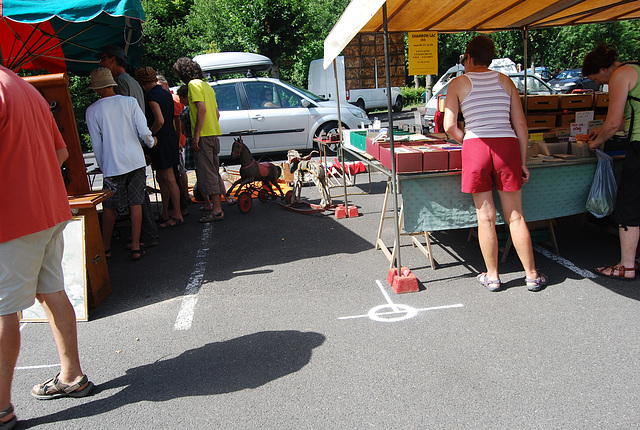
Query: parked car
{"type": "Point", "coordinates": [535, 86]}
{"type": "Point", "coordinates": [291, 120]}
{"type": "Point", "coordinates": [273, 115]}
{"type": "Point", "coordinates": [569, 80]}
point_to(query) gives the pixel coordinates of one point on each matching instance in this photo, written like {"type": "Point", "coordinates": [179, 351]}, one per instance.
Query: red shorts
{"type": "Point", "coordinates": [491, 160]}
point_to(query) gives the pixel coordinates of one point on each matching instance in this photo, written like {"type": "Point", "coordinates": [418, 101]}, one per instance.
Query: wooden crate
{"type": "Point", "coordinates": [549, 102]}
{"type": "Point", "coordinates": [602, 100]}
{"type": "Point", "coordinates": [576, 101]}
{"type": "Point", "coordinates": [541, 121]}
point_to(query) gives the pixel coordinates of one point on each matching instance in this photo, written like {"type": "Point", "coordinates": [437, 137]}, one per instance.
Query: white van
{"type": "Point", "coordinates": [322, 82]}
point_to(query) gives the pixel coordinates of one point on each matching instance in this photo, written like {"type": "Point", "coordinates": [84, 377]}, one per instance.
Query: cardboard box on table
{"type": "Point", "coordinates": [602, 100]}
{"type": "Point", "coordinates": [434, 158]}
{"type": "Point", "coordinates": [408, 159]}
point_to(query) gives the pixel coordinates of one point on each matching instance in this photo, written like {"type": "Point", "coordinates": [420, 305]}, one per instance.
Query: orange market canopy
{"type": "Point", "coordinates": [365, 16]}
{"type": "Point", "coordinates": [371, 16]}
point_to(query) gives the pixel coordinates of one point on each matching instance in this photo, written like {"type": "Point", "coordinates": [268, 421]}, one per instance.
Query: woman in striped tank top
{"type": "Point", "coordinates": [494, 154]}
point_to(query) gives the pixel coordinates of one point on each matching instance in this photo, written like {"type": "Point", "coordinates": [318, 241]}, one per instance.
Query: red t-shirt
{"type": "Point", "coordinates": [32, 192]}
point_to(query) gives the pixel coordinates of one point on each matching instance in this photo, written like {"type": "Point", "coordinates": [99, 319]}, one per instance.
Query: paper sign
{"type": "Point", "coordinates": [579, 128]}
{"type": "Point", "coordinates": [584, 116]}
{"type": "Point", "coordinates": [423, 53]}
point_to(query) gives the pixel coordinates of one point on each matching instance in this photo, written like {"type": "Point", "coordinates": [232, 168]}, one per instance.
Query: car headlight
{"type": "Point", "coordinates": [358, 113]}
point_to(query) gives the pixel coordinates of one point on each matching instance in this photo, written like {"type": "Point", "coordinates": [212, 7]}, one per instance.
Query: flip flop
{"type": "Point", "coordinates": [497, 285]}
{"type": "Point", "coordinates": [621, 271]}
{"type": "Point", "coordinates": [12, 422]}
{"type": "Point", "coordinates": [54, 389]}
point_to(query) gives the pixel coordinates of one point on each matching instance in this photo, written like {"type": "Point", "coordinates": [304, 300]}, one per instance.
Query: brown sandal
{"type": "Point", "coordinates": [54, 389]}
{"type": "Point", "coordinates": [621, 270]}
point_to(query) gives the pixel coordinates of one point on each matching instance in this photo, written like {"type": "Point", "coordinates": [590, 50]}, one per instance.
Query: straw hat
{"type": "Point", "coordinates": [101, 78]}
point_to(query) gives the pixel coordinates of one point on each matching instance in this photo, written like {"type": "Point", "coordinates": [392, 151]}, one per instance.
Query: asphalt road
{"type": "Point", "coordinates": [280, 320]}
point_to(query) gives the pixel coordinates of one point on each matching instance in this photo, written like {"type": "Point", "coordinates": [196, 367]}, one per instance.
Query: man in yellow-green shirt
{"type": "Point", "coordinates": [204, 115]}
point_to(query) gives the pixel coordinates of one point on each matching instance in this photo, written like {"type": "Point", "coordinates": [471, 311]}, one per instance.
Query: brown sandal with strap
{"type": "Point", "coordinates": [620, 270]}
{"type": "Point", "coordinates": [54, 389]}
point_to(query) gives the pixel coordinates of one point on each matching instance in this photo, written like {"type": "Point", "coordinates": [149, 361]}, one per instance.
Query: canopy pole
{"type": "Point", "coordinates": [525, 35]}
{"type": "Point", "coordinates": [340, 151]}
{"type": "Point", "coordinates": [394, 178]}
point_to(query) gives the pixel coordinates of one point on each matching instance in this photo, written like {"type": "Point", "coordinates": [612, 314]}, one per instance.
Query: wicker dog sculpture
{"type": "Point", "coordinates": [301, 165]}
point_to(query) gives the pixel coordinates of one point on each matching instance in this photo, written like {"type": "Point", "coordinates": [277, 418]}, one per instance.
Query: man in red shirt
{"type": "Point", "coordinates": [31, 244]}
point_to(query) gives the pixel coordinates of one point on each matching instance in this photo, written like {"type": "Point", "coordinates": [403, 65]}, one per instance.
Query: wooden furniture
{"type": "Point", "coordinates": [55, 89]}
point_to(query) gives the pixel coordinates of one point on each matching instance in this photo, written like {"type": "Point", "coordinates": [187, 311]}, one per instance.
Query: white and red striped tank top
{"type": "Point", "coordinates": [487, 107]}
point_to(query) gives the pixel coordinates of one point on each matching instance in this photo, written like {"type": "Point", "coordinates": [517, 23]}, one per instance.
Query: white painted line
{"type": "Point", "coordinates": [564, 262]}
{"type": "Point", "coordinates": [44, 366]}
{"type": "Point", "coordinates": [386, 296]}
{"type": "Point", "coordinates": [190, 298]}
{"type": "Point", "coordinates": [404, 310]}
{"type": "Point", "coordinates": [23, 326]}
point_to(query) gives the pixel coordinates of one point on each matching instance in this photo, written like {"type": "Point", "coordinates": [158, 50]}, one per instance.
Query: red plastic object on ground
{"type": "Point", "coordinates": [405, 283]}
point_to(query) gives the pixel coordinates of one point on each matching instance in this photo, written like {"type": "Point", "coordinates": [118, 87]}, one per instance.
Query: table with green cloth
{"type": "Point", "coordinates": [434, 202]}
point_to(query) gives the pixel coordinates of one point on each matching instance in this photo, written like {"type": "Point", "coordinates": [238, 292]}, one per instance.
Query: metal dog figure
{"type": "Point", "coordinates": [301, 165]}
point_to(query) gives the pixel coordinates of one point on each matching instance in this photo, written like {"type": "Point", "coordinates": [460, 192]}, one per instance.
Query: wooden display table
{"type": "Point", "coordinates": [98, 280]}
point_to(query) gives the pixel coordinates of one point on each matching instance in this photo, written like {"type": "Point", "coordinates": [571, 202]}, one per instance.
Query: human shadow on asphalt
{"type": "Point", "coordinates": [216, 368]}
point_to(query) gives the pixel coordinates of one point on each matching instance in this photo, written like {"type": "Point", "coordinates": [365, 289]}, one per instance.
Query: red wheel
{"type": "Point", "coordinates": [244, 202]}
{"type": "Point", "coordinates": [263, 195]}
{"type": "Point", "coordinates": [288, 198]}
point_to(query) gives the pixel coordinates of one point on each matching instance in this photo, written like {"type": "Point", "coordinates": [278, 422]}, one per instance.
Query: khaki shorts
{"type": "Point", "coordinates": [30, 265]}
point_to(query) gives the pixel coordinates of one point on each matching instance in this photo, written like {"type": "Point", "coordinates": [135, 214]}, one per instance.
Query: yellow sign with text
{"type": "Point", "coordinates": [423, 53]}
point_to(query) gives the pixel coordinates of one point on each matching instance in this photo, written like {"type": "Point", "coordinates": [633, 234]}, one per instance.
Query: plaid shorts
{"type": "Point", "coordinates": [128, 189]}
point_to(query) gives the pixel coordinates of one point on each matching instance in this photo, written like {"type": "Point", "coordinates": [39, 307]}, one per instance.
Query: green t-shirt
{"type": "Point", "coordinates": [200, 91]}
{"type": "Point", "coordinates": [635, 92]}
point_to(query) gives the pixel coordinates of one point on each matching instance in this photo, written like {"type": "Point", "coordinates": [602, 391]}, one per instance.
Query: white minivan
{"type": "Point", "coordinates": [272, 115]}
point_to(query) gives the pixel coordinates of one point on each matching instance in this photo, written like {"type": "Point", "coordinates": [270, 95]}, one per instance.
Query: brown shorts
{"type": "Point", "coordinates": [208, 166]}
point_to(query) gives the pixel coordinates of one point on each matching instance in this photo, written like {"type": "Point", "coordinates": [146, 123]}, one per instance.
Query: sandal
{"type": "Point", "coordinates": [620, 270]}
{"type": "Point", "coordinates": [211, 217]}
{"type": "Point", "coordinates": [171, 222]}
{"type": "Point", "coordinates": [12, 422]}
{"type": "Point", "coordinates": [492, 286]}
{"type": "Point", "coordinates": [137, 254]}
{"type": "Point", "coordinates": [537, 284]}
{"type": "Point", "coordinates": [161, 220]}
{"type": "Point", "coordinates": [142, 244]}
{"type": "Point", "coordinates": [54, 389]}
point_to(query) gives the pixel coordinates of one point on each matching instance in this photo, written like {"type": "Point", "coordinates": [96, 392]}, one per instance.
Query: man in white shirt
{"type": "Point", "coordinates": [117, 125]}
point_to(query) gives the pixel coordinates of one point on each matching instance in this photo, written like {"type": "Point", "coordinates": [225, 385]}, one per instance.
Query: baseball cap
{"type": "Point", "coordinates": [114, 51]}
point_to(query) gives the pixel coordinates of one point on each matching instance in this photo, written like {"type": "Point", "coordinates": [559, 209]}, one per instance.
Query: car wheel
{"type": "Point", "coordinates": [360, 104]}
{"type": "Point", "coordinates": [331, 148]}
{"type": "Point", "coordinates": [397, 106]}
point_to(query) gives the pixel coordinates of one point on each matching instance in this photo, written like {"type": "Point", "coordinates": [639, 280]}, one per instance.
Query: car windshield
{"type": "Point", "coordinates": [568, 74]}
{"type": "Point", "coordinates": [534, 86]}
{"type": "Point", "coordinates": [307, 93]}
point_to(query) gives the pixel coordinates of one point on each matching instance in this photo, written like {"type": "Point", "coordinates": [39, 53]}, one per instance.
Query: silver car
{"type": "Point", "coordinates": [277, 115]}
